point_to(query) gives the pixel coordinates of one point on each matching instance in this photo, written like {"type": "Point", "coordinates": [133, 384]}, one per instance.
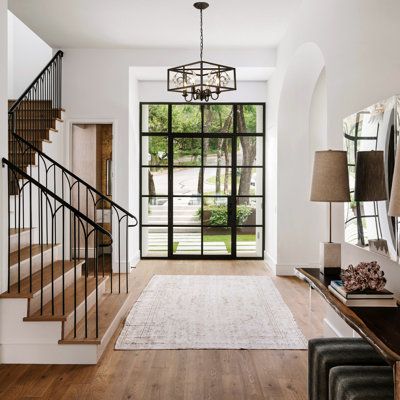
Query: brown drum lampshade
{"type": "Point", "coordinates": [394, 204]}
{"type": "Point", "coordinates": [370, 182]}
{"type": "Point", "coordinates": [330, 181]}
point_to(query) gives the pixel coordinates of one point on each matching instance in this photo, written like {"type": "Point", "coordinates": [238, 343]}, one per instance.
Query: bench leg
{"type": "Point", "coordinates": [396, 378]}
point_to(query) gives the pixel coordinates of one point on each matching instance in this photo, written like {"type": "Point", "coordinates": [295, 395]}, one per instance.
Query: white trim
{"type": "Point", "coordinates": [286, 270]}
{"type": "Point", "coordinates": [132, 263]}
{"type": "Point", "coordinates": [329, 329]}
{"type": "Point", "coordinates": [49, 353]}
{"type": "Point", "coordinates": [135, 259]}
{"type": "Point", "coordinates": [270, 261]}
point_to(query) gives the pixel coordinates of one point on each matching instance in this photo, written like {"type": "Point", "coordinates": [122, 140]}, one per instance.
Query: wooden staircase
{"type": "Point", "coordinates": [60, 306]}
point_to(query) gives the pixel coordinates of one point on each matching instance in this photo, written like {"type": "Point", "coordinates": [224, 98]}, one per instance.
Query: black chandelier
{"type": "Point", "coordinates": [201, 80]}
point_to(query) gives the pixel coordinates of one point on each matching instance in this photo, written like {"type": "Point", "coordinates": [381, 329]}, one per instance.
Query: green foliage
{"type": "Point", "coordinates": [218, 118]}
{"type": "Point", "coordinates": [219, 214]}
{"type": "Point", "coordinates": [186, 118]}
{"type": "Point", "coordinates": [158, 145]}
{"type": "Point", "coordinates": [187, 147]}
{"type": "Point", "coordinates": [250, 117]}
{"type": "Point", "coordinates": [158, 118]}
{"type": "Point", "coordinates": [243, 212]}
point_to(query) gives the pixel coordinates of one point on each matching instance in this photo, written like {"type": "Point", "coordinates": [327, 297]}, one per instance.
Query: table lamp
{"type": "Point", "coordinates": [330, 183]}
{"type": "Point", "coordinates": [370, 185]}
{"type": "Point", "coordinates": [394, 203]}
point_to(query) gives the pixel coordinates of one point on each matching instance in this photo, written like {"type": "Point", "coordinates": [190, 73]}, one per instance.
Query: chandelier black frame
{"type": "Point", "coordinates": [201, 80]}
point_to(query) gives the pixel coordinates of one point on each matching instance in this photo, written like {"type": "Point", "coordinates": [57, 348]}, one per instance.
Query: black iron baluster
{"type": "Point", "coordinates": [86, 276]}
{"type": "Point", "coordinates": [127, 255]}
{"type": "Point", "coordinates": [96, 268]}
{"type": "Point", "coordinates": [75, 261]}
{"type": "Point", "coordinates": [30, 236]}
{"type": "Point", "coordinates": [9, 230]}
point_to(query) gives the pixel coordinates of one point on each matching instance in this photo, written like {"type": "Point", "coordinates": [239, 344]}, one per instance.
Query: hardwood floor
{"type": "Point", "coordinates": [181, 374]}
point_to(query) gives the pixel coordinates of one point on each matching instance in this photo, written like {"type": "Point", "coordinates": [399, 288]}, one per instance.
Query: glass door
{"type": "Point", "coordinates": [202, 180]}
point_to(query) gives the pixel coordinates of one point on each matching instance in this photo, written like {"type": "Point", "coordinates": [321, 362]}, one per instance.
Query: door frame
{"type": "Point", "coordinates": [233, 227]}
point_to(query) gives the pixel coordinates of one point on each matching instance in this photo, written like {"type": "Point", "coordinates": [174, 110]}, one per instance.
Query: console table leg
{"type": "Point", "coordinates": [396, 376]}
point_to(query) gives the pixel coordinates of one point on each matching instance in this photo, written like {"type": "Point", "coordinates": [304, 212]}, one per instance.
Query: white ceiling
{"type": "Point", "coordinates": [155, 23]}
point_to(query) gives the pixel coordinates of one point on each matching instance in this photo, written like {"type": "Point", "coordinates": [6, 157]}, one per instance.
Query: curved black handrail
{"type": "Point", "coordinates": [57, 198]}
{"type": "Point", "coordinates": [23, 95]}
{"type": "Point", "coordinates": [87, 185]}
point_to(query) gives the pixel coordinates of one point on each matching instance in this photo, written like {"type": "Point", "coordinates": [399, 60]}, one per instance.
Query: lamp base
{"type": "Point", "coordinates": [330, 258]}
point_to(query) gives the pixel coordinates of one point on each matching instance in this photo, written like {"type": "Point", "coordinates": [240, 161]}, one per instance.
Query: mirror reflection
{"type": "Point", "coordinates": [370, 138]}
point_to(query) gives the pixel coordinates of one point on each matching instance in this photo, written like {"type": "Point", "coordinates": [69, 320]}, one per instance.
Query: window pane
{"type": "Point", "coordinates": [154, 242]}
{"type": "Point", "coordinates": [155, 211]}
{"type": "Point", "coordinates": [186, 118]}
{"type": "Point", "coordinates": [154, 181]}
{"type": "Point", "coordinates": [187, 211]}
{"type": "Point", "coordinates": [217, 151]}
{"type": "Point", "coordinates": [250, 150]}
{"type": "Point", "coordinates": [187, 241]}
{"type": "Point", "coordinates": [154, 150]}
{"type": "Point", "coordinates": [250, 118]}
{"type": "Point", "coordinates": [215, 211]}
{"type": "Point", "coordinates": [217, 181]}
{"type": "Point", "coordinates": [154, 118]}
{"type": "Point", "coordinates": [249, 210]}
{"type": "Point", "coordinates": [249, 181]}
{"type": "Point", "coordinates": [249, 242]}
{"type": "Point", "coordinates": [187, 181]}
{"type": "Point", "coordinates": [217, 241]}
{"type": "Point", "coordinates": [218, 118]}
{"type": "Point", "coordinates": [187, 151]}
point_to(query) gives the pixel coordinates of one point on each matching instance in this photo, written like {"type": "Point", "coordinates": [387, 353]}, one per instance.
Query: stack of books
{"type": "Point", "coordinates": [364, 298]}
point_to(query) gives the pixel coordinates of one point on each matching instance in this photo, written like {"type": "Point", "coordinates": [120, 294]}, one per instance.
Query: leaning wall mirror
{"type": "Point", "coordinates": [370, 138]}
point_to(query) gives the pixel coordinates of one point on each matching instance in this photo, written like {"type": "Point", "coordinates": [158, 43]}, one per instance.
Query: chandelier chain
{"type": "Point", "coordinates": [201, 35]}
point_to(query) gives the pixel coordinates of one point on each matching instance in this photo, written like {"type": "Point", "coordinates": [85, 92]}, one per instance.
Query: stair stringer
{"type": "Point", "coordinates": [37, 342]}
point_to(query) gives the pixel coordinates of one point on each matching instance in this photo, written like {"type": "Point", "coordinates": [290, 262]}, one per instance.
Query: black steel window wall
{"type": "Point", "coordinates": [202, 180]}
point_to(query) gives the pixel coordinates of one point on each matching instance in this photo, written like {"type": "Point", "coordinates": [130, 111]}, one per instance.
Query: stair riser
{"type": "Point", "coordinates": [26, 124]}
{"type": "Point", "coordinates": [34, 302]}
{"type": "Point", "coordinates": [23, 159]}
{"type": "Point", "coordinates": [68, 325]}
{"type": "Point", "coordinates": [34, 105]}
{"type": "Point", "coordinates": [36, 134]}
{"type": "Point", "coordinates": [24, 241]}
{"type": "Point", "coordinates": [36, 264]}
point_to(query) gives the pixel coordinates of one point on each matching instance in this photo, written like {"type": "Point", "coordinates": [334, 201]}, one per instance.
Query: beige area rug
{"type": "Point", "coordinates": [210, 312]}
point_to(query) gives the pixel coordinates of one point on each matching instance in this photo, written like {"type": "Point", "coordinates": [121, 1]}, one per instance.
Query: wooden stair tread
{"type": "Point", "coordinates": [14, 231]}
{"type": "Point", "coordinates": [69, 300]}
{"type": "Point", "coordinates": [25, 252]}
{"type": "Point", "coordinates": [36, 279]}
{"type": "Point", "coordinates": [111, 305]}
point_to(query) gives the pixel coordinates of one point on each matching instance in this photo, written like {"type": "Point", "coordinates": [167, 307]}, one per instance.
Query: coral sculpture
{"type": "Point", "coordinates": [366, 275]}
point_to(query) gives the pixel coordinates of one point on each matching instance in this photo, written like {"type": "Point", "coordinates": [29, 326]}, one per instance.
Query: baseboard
{"type": "Point", "coordinates": [329, 329]}
{"type": "Point", "coordinates": [131, 264]}
{"type": "Point", "coordinates": [283, 269]}
{"type": "Point", "coordinates": [270, 261]}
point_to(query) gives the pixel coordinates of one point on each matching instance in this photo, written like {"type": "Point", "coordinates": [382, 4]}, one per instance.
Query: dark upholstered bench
{"type": "Point", "coordinates": [327, 353]}
{"type": "Point", "coordinates": [361, 383]}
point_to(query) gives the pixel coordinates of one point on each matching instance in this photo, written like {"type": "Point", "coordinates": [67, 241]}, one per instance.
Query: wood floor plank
{"type": "Point", "coordinates": [182, 374]}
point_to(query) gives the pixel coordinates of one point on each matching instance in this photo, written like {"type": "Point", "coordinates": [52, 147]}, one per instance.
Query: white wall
{"type": "Point", "coordinates": [251, 91]}
{"type": "Point", "coordinates": [3, 144]}
{"type": "Point", "coordinates": [101, 84]}
{"type": "Point", "coordinates": [353, 41]}
{"type": "Point", "coordinates": [27, 55]}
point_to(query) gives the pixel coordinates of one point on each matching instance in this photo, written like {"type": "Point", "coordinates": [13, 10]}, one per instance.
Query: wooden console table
{"type": "Point", "coordinates": [379, 326]}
